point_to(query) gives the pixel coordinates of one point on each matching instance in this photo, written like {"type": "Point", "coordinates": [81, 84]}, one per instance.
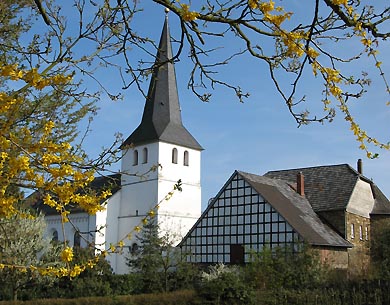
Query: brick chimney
{"type": "Point", "coordinates": [300, 184]}
{"type": "Point", "coordinates": [360, 166]}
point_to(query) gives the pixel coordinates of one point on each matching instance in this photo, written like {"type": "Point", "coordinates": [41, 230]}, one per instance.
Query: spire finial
{"type": "Point", "coordinates": [166, 11]}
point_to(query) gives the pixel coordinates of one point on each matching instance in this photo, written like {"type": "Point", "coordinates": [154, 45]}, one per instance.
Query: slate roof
{"type": "Point", "coordinates": [161, 118]}
{"type": "Point", "coordinates": [382, 204]}
{"type": "Point", "coordinates": [296, 210]}
{"type": "Point", "coordinates": [330, 187]}
{"type": "Point", "coordinates": [113, 182]}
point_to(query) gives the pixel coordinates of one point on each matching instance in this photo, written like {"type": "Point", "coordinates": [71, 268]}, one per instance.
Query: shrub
{"type": "Point", "coordinates": [224, 285]}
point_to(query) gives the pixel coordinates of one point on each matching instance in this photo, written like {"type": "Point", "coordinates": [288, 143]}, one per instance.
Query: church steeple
{"type": "Point", "coordinates": [161, 120]}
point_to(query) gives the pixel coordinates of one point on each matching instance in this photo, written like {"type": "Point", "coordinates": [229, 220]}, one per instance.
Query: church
{"type": "Point", "coordinates": [161, 143]}
{"type": "Point", "coordinates": [332, 208]}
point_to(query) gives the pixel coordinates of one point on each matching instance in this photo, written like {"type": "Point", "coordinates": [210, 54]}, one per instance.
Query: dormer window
{"type": "Point", "coordinates": [145, 155]}
{"type": "Point", "coordinates": [186, 161]}
{"type": "Point", "coordinates": [135, 157]}
{"type": "Point", "coordinates": [174, 156]}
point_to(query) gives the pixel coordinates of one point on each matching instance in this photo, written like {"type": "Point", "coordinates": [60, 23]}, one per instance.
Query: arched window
{"type": "Point", "coordinates": [76, 239]}
{"type": "Point", "coordinates": [145, 155]}
{"type": "Point", "coordinates": [186, 160]}
{"type": "Point", "coordinates": [135, 157]}
{"type": "Point", "coordinates": [134, 248]}
{"type": "Point", "coordinates": [54, 236]}
{"type": "Point", "coordinates": [174, 156]}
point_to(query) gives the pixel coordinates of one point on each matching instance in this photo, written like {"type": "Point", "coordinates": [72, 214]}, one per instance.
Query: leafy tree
{"type": "Point", "coordinates": [39, 116]}
{"type": "Point", "coordinates": [158, 264]}
{"type": "Point", "coordinates": [23, 243]}
{"type": "Point", "coordinates": [380, 248]}
{"type": "Point", "coordinates": [277, 268]}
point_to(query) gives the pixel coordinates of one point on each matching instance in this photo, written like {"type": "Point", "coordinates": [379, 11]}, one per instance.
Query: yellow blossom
{"type": "Point", "coordinates": [186, 14]}
{"type": "Point", "coordinates": [267, 7]}
{"type": "Point", "coordinates": [67, 255]}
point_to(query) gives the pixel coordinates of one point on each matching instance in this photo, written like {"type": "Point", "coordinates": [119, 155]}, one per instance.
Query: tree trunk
{"type": "Point", "coordinates": [15, 290]}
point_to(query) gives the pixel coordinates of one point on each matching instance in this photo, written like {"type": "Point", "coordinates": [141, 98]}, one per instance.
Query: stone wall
{"type": "Point", "coordinates": [358, 234]}
{"type": "Point", "coordinates": [335, 258]}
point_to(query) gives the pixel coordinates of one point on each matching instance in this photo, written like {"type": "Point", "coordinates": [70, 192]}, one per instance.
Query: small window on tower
{"type": "Point", "coordinates": [186, 158]}
{"type": "Point", "coordinates": [360, 232]}
{"type": "Point", "coordinates": [352, 231]}
{"type": "Point", "coordinates": [135, 157]}
{"type": "Point", "coordinates": [174, 156]}
{"type": "Point", "coordinates": [145, 155]}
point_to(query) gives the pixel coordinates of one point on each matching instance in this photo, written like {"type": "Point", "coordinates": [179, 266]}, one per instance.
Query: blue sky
{"type": "Point", "coordinates": [256, 136]}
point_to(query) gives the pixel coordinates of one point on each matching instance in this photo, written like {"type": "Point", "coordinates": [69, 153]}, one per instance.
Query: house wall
{"type": "Point", "coordinates": [358, 234]}
{"type": "Point", "coordinates": [238, 222]}
{"type": "Point", "coordinates": [362, 200]}
{"type": "Point", "coordinates": [81, 222]}
{"type": "Point", "coordinates": [335, 219]}
{"type": "Point", "coordinates": [107, 220]}
{"type": "Point", "coordinates": [333, 257]}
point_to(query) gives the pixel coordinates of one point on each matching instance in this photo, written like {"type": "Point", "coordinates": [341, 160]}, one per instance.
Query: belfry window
{"type": "Point", "coordinates": [145, 155]}
{"type": "Point", "coordinates": [186, 161]}
{"type": "Point", "coordinates": [174, 156]}
{"type": "Point", "coordinates": [135, 157]}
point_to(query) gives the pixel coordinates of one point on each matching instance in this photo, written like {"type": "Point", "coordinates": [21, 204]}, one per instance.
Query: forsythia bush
{"type": "Point", "coordinates": [32, 158]}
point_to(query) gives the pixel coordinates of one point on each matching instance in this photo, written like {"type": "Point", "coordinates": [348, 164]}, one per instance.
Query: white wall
{"type": "Point", "coordinates": [178, 214]}
{"type": "Point", "coordinates": [141, 170]}
{"type": "Point", "coordinates": [362, 200]}
{"type": "Point", "coordinates": [81, 222]}
{"type": "Point", "coordinates": [140, 194]}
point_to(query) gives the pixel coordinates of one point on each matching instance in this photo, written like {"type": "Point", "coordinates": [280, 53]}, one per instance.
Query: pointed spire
{"type": "Point", "coordinates": [161, 120]}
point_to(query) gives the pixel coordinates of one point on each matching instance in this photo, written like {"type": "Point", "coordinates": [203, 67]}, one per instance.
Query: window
{"type": "Point", "coordinates": [135, 157]}
{"type": "Point", "coordinates": [55, 236]}
{"type": "Point", "coordinates": [145, 155]}
{"type": "Point", "coordinates": [366, 229]}
{"type": "Point", "coordinates": [352, 231]}
{"type": "Point", "coordinates": [186, 159]}
{"type": "Point", "coordinates": [174, 156]}
{"type": "Point", "coordinates": [360, 232]}
{"type": "Point", "coordinates": [76, 239]}
{"type": "Point", "coordinates": [134, 248]}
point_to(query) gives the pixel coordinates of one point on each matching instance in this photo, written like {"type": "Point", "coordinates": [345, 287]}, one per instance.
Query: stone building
{"type": "Point", "coordinates": [347, 201]}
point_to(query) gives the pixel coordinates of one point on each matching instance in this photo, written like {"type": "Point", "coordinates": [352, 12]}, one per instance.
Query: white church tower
{"type": "Point", "coordinates": [160, 141]}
